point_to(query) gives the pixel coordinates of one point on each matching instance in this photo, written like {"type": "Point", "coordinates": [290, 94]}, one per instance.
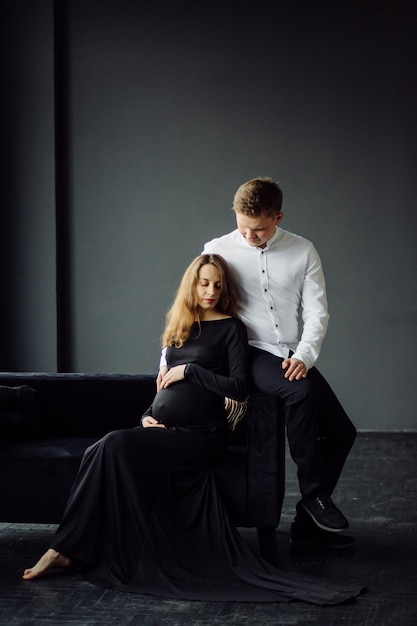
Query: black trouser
{"type": "Point", "coordinates": [320, 434]}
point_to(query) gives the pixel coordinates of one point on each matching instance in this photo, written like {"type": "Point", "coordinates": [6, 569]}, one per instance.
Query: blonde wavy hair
{"type": "Point", "coordinates": [184, 311]}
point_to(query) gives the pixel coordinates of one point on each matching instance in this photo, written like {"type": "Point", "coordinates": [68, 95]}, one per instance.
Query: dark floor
{"type": "Point", "coordinates": [378, 494]}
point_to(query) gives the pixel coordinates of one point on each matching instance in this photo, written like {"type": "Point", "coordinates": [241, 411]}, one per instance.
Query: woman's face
{"type": "Point", "coordinates": [208, 287]}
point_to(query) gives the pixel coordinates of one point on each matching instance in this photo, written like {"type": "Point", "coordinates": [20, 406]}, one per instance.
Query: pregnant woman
{"type": "Point", "coordinates": [145, 514]}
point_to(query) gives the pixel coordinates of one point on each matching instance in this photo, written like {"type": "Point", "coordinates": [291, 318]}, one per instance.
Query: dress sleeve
{"type": "Point", "coordinates": [236, 354]}
{"type": "Point", "coordinates": [148, 413]}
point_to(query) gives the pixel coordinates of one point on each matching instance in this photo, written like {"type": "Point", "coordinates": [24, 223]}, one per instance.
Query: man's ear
{"type": "Point", "coordinates": [279, 218]}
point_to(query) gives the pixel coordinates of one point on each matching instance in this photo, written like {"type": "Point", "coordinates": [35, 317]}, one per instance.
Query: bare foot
{"type": "Point", "coordinates": [50, 559]}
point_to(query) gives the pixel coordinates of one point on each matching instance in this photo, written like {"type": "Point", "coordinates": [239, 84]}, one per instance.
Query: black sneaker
{"type": "Point", "coordinates": [324, 513]}
{"type": "Point", "coordinates": [317, 538]}
{"type": "Point", "coordinates": [305, 534]}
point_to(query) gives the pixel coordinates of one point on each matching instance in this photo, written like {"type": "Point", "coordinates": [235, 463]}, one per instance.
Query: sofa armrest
{"type": "Point", "coordinates": [265, 427]}
{"type": "Point", "coordinates": [86, 405]}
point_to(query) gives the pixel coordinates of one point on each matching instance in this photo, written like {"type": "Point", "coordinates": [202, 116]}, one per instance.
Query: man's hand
{"type": "Point", "coordinates": [162, 371]}
{"type": "Point", "coordinates": [151, 422]}
{"type": "Point", "coordinates": [173, 375]}
{"type": "Point", "coordinates": [296, 370]}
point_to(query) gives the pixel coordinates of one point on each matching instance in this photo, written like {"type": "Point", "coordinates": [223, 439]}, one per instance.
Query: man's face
{"type": "Point", "coordinates": [257, 230]}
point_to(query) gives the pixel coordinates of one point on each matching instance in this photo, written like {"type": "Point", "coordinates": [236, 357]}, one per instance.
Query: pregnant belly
{"type": "Point", "coordinates": [186, 404]}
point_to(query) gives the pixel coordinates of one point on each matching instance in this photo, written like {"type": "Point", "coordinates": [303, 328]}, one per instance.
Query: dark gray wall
{"type": "Point", "coordinates": [172, 107]}
{"type": "Point", "coordinates": [27, 225]}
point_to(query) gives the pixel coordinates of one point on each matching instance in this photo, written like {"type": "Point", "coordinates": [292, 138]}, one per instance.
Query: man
{"type": "Point", "coordinates": [280, 278]}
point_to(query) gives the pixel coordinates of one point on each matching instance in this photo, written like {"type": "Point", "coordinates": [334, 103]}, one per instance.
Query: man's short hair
{"type": "Point", "coordinates": [258, 195]}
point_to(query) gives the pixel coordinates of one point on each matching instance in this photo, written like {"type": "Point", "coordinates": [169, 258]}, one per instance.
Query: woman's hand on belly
{"type": "Point", "coordinates": [151, 422]}
{"type": "Point", "coordinates": [173, 375]}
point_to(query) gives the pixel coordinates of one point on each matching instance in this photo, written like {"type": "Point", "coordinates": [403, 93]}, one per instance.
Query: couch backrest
{"type": "Point", "coordinates": [90, 405]}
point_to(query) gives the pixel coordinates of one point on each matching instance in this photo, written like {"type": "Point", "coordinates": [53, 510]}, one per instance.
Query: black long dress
{"type": "Point", "coordinates": [145, 515]}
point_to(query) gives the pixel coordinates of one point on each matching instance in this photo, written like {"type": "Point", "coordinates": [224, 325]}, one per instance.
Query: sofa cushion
{"type": "Point", "coordinates": [18, 413]}
{"type": "Point", "coordinates": [37, 476]}
{"type": "Point", "coordinates": [235, 411]}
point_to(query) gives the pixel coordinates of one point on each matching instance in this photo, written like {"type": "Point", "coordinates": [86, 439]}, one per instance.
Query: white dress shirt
{"type": "Point", "coordinates": [276, 283]}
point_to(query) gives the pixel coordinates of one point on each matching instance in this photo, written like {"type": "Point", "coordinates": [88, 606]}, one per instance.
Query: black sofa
{"type": "Point", "coordinates": [48, 420]}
